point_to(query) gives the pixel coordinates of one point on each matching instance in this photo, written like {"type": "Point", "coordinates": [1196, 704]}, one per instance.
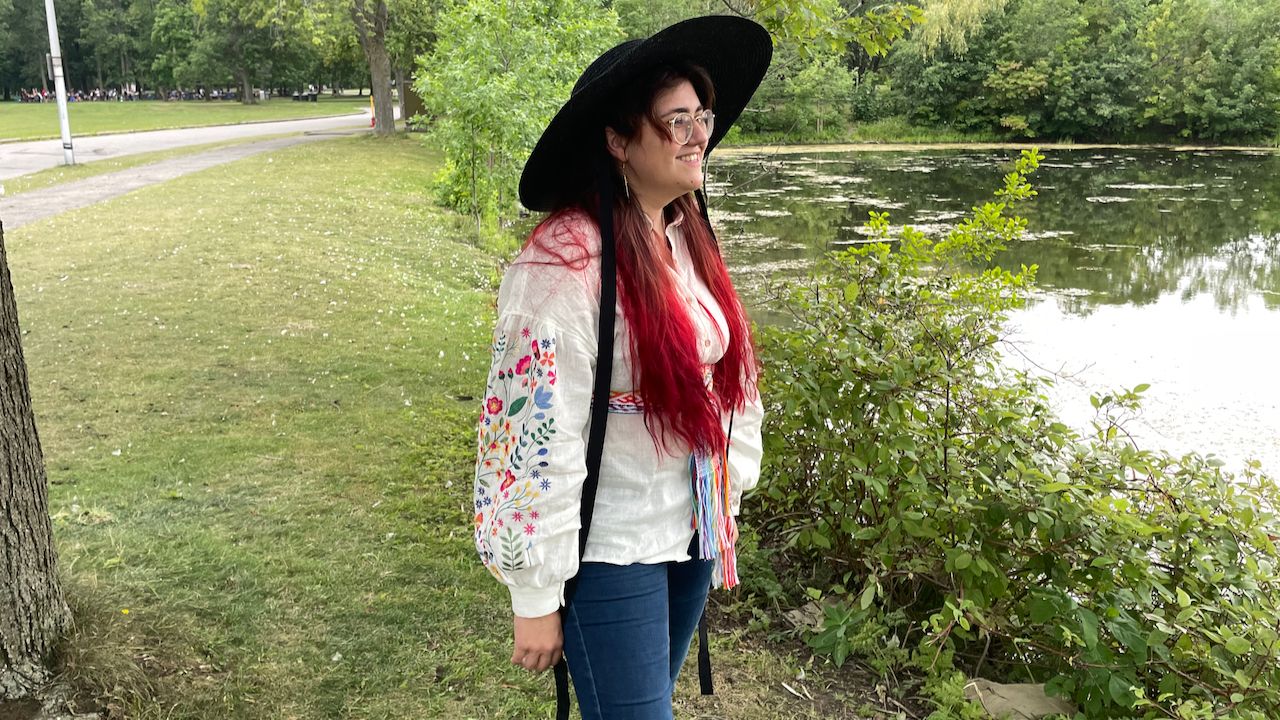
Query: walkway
{"type": "Point", "coordinates": [39, 204]}
{"type": "Point", "coordinates": [24, 158]}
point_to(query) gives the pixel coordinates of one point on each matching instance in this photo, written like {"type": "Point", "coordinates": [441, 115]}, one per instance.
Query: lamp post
{"type": "Point", "coordinates": [59, 85]}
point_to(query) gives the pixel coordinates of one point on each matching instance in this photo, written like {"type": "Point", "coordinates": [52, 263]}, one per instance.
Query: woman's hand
{"type": "Point", "coordinates": [538, 642]}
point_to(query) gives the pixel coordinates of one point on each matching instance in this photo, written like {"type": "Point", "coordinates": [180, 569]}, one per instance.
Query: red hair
{"type": "Point", "coordinates": [664, 348]}
{"type": "Point", "coordinates": [666, 367]}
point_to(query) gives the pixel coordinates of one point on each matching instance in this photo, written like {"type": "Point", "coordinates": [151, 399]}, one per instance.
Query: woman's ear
{"type": "Point", "coordinates": [616, 144]}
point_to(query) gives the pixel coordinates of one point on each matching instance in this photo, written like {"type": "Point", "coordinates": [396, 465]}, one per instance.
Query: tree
{"type": "Point", "coordinates": [106, 30]}
{"type": "Point", "coordinates": [6, 41]}
{"type": "Point", "coordinates": [173, 33]}
{"type": "Point", "coordinates": [33, 613]}
{"type": "Point", "coordinates": [238, 40]}
{"type": "Point", "coordinates": [1214, 68]}
{"type": "Point", "coordinates": [949, 23]}
{"type": "Point", "coordinates": [826, 26]}
{"type": "Point", "coordinates": [370, 18]}
{"type": "Point", "coordinates": [498, 73]}
{"type": "Point", "coordinates": [824, 85]}
{"type": "Point", "coordinates": [642, 18]}
{"type": "Point", "coordinates": [412, 32]}
{"type": "Point", "coordinates": [23, 59]}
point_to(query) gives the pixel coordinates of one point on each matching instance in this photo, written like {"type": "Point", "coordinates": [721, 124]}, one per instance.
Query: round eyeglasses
{"type": "Point", "coordinates": [682, 125]}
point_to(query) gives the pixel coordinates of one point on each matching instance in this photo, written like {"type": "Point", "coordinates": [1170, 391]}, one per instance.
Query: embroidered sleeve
{"type": "Point", "coordinates": [530, 461]}
{"type": "Point", "coordinates": [745, 450]}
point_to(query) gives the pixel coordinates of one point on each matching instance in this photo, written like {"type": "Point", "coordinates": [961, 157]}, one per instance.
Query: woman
{"type": "Point", "coordinates": [665, 468]}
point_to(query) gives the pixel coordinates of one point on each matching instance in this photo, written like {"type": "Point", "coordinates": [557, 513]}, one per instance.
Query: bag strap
{"type": "Point", "coordinates": [599, 420]}
{"type": "Point", "coordinates": [599, 415]}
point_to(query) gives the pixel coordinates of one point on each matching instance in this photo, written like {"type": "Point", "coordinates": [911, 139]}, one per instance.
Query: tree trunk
{"type": "Point", "coordinates": [246, 96]}
{"type": "Point", "coordinates": [370, 18]}
{"type": "Point", "coordinates": [33, 613]}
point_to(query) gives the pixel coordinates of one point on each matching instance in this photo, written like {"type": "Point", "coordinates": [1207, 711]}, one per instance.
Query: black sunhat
{"type": "Point", "coordinates": [734, 51]}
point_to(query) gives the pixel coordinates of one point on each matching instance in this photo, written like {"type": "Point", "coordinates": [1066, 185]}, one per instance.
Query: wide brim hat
{"type": "Point", "coordinates": [734, 51]}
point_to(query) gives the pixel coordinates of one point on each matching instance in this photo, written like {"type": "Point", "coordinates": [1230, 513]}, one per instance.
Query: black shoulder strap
{"type": "Point", "coordinates": [599, 419]}
{"type": "Point", "coordinates": [599, 413]}
{"type": "Point", "coordinates": [704, 648]}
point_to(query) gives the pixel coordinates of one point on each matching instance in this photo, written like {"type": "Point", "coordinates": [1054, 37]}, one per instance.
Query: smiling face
{"type": "Point", "coordinates": [658, 168]}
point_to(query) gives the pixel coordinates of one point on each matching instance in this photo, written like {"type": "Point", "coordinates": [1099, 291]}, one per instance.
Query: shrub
{"type": "Point", "coordinates": [939, 484]}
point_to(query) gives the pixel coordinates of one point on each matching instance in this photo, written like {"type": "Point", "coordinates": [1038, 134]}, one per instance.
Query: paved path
{"type": "Point", "coordinates": [23, 158]}
{"type": "Point", "coordinates": [36, 205]}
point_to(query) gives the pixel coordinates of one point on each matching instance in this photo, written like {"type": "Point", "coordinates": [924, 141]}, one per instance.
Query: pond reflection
{"type": "Point", "coordinates": [1155, 266]}
{"type": "Point", "coordinates": [1118, 228]}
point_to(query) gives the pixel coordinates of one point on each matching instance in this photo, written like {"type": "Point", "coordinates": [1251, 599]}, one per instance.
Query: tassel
{"type": "Point", "coordinates": [712, 518]}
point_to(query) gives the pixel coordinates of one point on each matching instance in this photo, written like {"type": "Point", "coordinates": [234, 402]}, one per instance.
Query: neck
{"type": "Point", "coordinates": [655, 215]}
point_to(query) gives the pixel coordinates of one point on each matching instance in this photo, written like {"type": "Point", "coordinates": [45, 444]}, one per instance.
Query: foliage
{"type": "Point", "coordinates": [1099, 69]}
{"type": "Point", "coordinates": [823, 88]}
{"type": "Point", "coordinates": [923, 478]}
{"type": "Point", "coordinates": [949, 24]}
{"type": "Point", "coordinates": [826, 26]}
{"type": "Point", "coordinates": [189, 44]}
{"type": "Point", "coordinates": [642, 18]}
{"type": "Point", "coordinates": [802, 96]}
{"type": "Point", "coordinates": [496, 76]}
{"type": "Point", "coordinates": [1213, 68]}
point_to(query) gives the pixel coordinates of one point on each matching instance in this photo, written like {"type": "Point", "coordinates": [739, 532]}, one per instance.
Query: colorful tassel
{"type": "Point", "coordinates": [712, 518]}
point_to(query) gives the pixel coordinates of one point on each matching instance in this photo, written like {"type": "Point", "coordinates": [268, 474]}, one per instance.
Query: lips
{"type": "Point", "coordinates": [690, 159]}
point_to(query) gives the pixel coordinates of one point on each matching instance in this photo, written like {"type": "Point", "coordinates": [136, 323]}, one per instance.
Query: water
{"type": "Point", "coordinates": [1155, 266]}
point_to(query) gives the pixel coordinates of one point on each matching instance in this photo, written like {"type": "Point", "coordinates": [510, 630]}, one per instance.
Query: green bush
{"type": "Point", "coordinates": [901, 453]}
{"type": "Point", "coordinates": [496, 76]}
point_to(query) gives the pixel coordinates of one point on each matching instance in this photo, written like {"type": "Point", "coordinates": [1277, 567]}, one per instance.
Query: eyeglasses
{"type": "Point", "coordinates": [682, 125]}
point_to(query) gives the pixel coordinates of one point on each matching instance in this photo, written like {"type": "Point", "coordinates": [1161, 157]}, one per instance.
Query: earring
{"type": "Point", "coordinates": [626, 187]}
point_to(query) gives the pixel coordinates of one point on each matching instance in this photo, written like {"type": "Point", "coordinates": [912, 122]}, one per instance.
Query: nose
{"type": "Point", "coordinates": [700, 135]}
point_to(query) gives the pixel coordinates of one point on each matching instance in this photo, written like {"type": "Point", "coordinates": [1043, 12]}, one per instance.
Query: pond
{"type": "Point", "coordinates": [1155, 266]}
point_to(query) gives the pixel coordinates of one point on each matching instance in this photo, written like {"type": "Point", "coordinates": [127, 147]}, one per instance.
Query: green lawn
{"type": "Point", "coordinates": [255, 388]}
{"type": "Point", "coordinates": [34, 121]}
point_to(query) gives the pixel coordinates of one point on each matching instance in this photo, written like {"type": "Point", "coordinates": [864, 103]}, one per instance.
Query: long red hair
{"type": "Point", "coordinates": [667, 370]}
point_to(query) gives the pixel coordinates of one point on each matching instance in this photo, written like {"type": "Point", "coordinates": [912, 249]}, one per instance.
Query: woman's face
{"type": "Point", "coordinates": [659, 169]}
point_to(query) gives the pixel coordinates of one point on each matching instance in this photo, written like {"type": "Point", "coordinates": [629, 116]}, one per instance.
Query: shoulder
{"type": "Point", "coordinates": [567, 237]}
{"type": "Point", "coordinates": [556, 277]}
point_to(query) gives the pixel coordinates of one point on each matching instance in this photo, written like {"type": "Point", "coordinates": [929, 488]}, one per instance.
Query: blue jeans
{"type": "Point", "coordinates": [627, 632]}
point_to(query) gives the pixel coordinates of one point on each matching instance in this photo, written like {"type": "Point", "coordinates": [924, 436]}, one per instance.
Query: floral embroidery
{"type": "Point", "coordinates": [514, 429]}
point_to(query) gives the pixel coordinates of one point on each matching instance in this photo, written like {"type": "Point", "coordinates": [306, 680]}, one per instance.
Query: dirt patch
{"type": "Point", "coordinates": [19, 709]}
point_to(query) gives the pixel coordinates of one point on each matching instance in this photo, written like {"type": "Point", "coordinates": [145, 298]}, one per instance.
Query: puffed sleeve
{"type": "Point", "coordinates": [531, 439]}
{"type": "Point", "coordinates": [745, 450]}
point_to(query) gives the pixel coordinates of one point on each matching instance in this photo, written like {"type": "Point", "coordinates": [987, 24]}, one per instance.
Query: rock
{"type": "Point", "coordinates": [1020, 701]}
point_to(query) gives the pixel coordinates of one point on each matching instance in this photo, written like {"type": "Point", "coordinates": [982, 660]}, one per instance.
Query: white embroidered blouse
{"type": "Point", "coordinates": [533, 430]}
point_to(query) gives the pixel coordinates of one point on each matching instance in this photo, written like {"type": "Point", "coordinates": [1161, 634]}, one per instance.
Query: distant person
{"type": "Point", "coordinates": [620, 170]}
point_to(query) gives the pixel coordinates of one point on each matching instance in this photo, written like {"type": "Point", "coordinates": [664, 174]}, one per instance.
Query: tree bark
{"type": "Point", "coordinates": [246, 97]}
{"type": "Point", "coordinates": [370, 18]}
{"type": "Point", "coordinates": [33, 612]}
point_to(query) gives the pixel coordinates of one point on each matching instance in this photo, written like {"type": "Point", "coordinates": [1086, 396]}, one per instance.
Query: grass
{"type": "Point", "coordinates": [901, 130]}
{"type": "Point", "coordinates": [889, 130]}
{"type": "Point", "coordinates": [255, 389]}
{"type": "Point", "coordinates": [36, 121]}
{"type": "Point", "coordinates": [63, 173]}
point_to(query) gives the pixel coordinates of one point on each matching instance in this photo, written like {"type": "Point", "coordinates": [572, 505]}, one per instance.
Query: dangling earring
{"type": "Point", "coordinates": [626, 187]}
